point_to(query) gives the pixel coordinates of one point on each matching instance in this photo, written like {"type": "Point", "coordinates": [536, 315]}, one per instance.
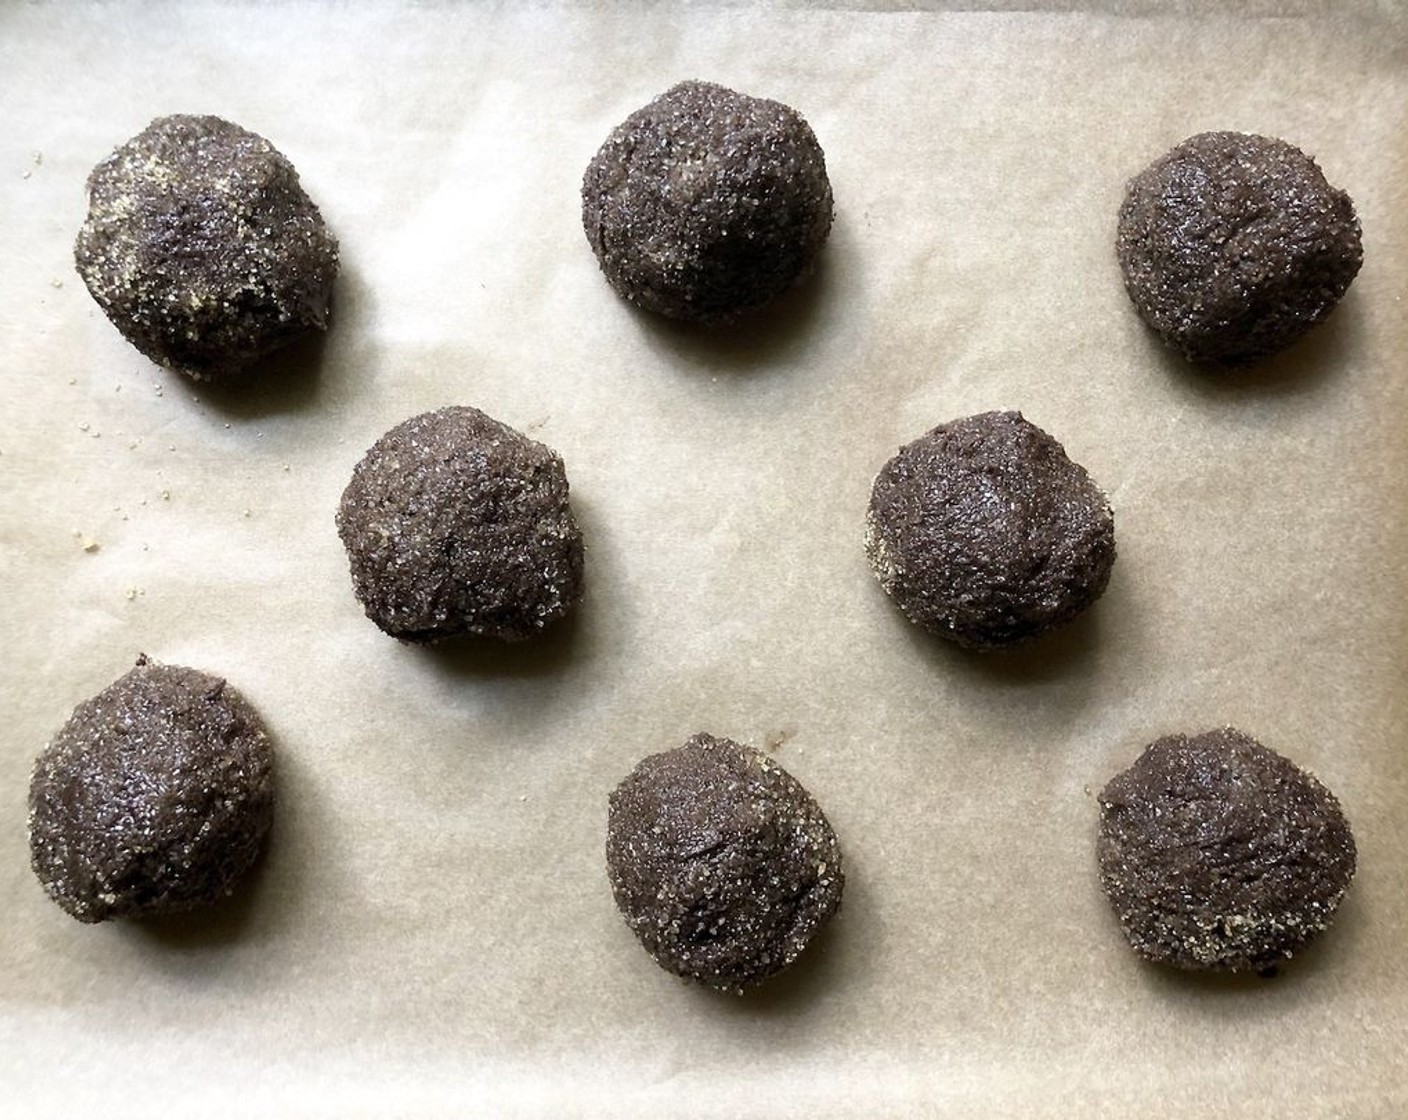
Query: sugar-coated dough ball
{"type": "Point", "coordinates": [984, 532]}
{"type": "Point", "coordinates": [706, 202]}
{"type": "Point", "coordinates": [457, 524]}
{"type": "Point", "coordinates": [1217, 853]}
{"type": "Point", "coordinates": [153, 798]}
{"type": "Point", "coordinates": [721, 862]}
{"type": "Point", "coordinates": [1234, 245]}
{"type": "Point", "coordinates": [203, 249]}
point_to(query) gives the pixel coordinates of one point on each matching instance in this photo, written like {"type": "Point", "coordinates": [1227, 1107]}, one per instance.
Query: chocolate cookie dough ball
{"type": "Point", "coordinates": [456, 524]}
{"type": "Point", "coordinates": [984, 532]}
{"type": "Point", "coordinates": [707, 202]}
{"type": "Point", "coordinates": [1234, 245]}
{"type": "Point", "coordinates": [202, 248]}
{"type": "Point", "coordinates": [154, 797]}
{"type": "Point", "coordinates": [721, 862]}
{"type": "Point", "coordinates": [1218, 853]}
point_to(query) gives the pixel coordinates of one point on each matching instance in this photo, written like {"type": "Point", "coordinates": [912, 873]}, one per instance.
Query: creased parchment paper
{"type": "Point", "coordinates": [431, 933]}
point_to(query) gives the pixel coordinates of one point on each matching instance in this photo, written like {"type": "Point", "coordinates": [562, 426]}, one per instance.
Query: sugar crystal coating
{"type": "Point", "coordinates": [202, 248]}
{"type": "Point", "coordinates": [455, 523]}
{"type": "Point", "coordinates": [984, 532]}
{"type": "Point", "coordinates": [722, 864]}
{"type": "Point", "coordinates": [707, 202]}
{"type": "Point", "coordinates": [1218, 853]}
{"type": "Point", "coordinates": [153, 798]}
{"type": "Point", "coordinates": [1233, 246]}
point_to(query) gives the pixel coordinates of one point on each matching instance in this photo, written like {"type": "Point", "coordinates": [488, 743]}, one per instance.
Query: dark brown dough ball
{"type": "Point", "coordinates": [721, 862]}
{"type": "Point", "coordinates": [1234, 245]}
{"type": "Point", "coordinates": [1218, 853]}
{"type": "Point", "coordinates": [707, 202]}
{"type": "Point", "coordinates": [202, 248]}
{"type": "Point", "coordinates": [154, 797]}
{"type": "Point", "coordinates": [984, 532]}
{"type": "Point", "coordinates": [456, 524]}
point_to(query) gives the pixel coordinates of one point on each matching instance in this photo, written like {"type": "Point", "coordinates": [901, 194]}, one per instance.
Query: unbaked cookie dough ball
{"type": "Point", "coordinates": [155, 797]}
{"type": "Point", "coordinates": [1218, 853]}
{"type": "Point", "coordinates": [721, 862]}
{"type": "Point", "coordinates": [984, 532]}
{"type": "Point", "coordinates": [203, 249]}
{"type": "Point", "coordinates": [1234, 245]}
{"type": "Point", "coordinates": [707, 203]}
{"type": "Point", "coordinates": [456, 524]}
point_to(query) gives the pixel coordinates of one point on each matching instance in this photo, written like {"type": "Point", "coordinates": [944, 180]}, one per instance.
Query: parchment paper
{"type": "Point", "coordinates": [432, 933]}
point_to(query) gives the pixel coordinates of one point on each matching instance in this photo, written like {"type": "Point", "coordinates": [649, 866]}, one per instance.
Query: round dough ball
{"type": "Point", "coordinates": [721, 862]}
{"type": "Point", "coordinates": [707, 202]}
{"type": "Point", "coordinates": [155, 797]}
{"type": "Point", "coordinates": [1218, 853]}
{"type": "Point", "coordinates": [202, 248]}
{"type": "Point", "coordinates": [456, 524]}
{"type": "Point", "coordinates": [984, 532]}
{"type": "Point", "coordinates": [1234, 245]}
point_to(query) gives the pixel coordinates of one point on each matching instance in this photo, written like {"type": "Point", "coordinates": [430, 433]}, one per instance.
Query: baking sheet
{"type": "Point", "coordinates": [431, 932]}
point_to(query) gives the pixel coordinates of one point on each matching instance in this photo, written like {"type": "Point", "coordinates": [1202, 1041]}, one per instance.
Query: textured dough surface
{"type": "Point", "coordinates": [155, 797]}
{"type": "Point", "coordinates": [721, 862]}
{"type": "Point", "coordinates": [202, 248]}
{"type": "Point", "coordinates": [1218, 853]}
{"type": "Point", "coordinates": [1234, 245]}
{"type": "Point", "coordinates": [707, 202]}
{"type": "Point", "coordinates": [985, 532]}
{"type": "Point", "coordinates": [455, 523]}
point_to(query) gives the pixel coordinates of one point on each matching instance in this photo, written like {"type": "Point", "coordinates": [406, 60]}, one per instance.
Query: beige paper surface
{"type": "Point", "coordinates": [432, 933]}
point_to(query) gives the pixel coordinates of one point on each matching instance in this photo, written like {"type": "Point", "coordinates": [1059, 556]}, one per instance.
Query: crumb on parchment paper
{"type": "Point", "coordinates": [773, 740]}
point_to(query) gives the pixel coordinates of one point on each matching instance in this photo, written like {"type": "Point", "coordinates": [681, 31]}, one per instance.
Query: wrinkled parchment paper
{"type": "Point", "coordinates": [431, 933]}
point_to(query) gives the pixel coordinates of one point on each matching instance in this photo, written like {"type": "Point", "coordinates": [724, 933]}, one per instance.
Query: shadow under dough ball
{"type": "Point", "coordinates": [457, 524]}
{"type": "Point", "coordinates": [984, 532]}
{"type": "Point", "coordinates": [155, 797]}
{"type": "Point", "coordinates": [707, 203]}
{"type": "Point", "coordinates": [721, 862]}
{"type": "Point", "coordinates": [203, 249]}
{"type": "Point", "coordinates": [1217, 853]}
{"type": "Point", "coordinates": [1234, 245]}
